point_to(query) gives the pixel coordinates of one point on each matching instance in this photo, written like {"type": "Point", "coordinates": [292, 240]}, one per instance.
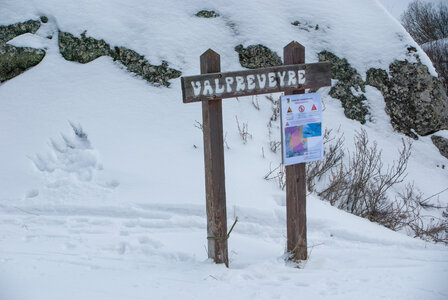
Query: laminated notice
{"type": "Point", "coordinates": [301, 128]}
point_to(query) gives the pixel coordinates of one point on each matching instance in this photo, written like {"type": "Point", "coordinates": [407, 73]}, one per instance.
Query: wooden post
{"type": "Point", "coordinates": [214, 167]}
{"type": "Point", "coordinates": [294, 53]}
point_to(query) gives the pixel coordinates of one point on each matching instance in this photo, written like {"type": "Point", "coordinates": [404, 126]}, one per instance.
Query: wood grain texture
{"type": "Point", "coordinates": [294, 53]}
{"type": "Point", "coordinates": [316, 75]}
{"type": "Point", "coordinates": [214, 167]}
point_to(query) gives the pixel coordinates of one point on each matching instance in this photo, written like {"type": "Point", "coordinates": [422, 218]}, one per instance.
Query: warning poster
{"type": "Point", "coordinates": [301, 128]}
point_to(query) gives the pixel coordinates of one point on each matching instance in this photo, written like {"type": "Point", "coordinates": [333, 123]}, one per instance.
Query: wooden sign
{"type": "Point", "coordinates": [253, 82]}
{"type": "Point", "coordinates": [292, 78]}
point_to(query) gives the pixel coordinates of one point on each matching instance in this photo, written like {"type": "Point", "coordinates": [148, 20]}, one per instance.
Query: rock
{"type": "Point", "coordinates": [415, 100]}
{"type": "Point", "coordinates": [305, 25]}
{"type": "Point", "coordinates": [378, 78]}
{"type": "Point", "coordinates": [11, 31]}
{"type": "Point", "coordinates": [207, 14]}
{"type": "Point", "coordinates": [257, 56]}
{"type": "Point", "coordinates": [83, 49]}
{"type": "Point", "coordinates": [136, 63]}
{"type": "Point", "coordinates": [441, 143]}
{"type": "Point", "coordinates": [349, 83]}
{"type": "Point", "coordinates": [15, 60]}
{"type": "Point", "coordinates": [354, 106]}
{"type": "Point", "coordinates": [341, 69]}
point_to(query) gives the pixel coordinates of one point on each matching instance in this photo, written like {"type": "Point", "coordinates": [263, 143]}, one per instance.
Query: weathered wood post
{"type": "Point", "coordinates": [214, 167]}
{"type": "Point", "coordinates": [294, 53]}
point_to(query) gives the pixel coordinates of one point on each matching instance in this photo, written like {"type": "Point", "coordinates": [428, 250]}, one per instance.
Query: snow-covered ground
{"type": "Point", "coordinates": [155, 250]}
{"type": "Point", "coordinates": [123, 217]}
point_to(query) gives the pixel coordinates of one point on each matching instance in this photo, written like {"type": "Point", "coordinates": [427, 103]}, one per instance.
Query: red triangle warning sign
{"type": "Point", "coordinates": [287, 124]}
{"type": "Point", "coordinates": [314, 107]}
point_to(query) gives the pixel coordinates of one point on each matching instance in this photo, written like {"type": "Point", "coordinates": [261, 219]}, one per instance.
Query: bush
{"type": "Point", "coordinates": [427, 23]}
{"type": "Point", "coordinates": [438, 53]}
{"type": "Point", "coordinates": [362, 185]}
{"type": "Point", "coordinates": [333, 155]}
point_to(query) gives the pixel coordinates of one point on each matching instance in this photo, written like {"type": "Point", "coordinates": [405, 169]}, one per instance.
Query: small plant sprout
{"type": "Point", "coordinates": [243, 130]}
{"type": "Point", "coordinates": [255, 102]}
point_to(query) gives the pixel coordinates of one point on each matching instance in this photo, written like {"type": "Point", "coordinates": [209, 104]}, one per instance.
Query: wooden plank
{"type": "Point", "coordinates": [294, 53]}
{"type": "Point", "coordinates": [214, 167]}
{"type": "Point", "coordinates": [286, 78]}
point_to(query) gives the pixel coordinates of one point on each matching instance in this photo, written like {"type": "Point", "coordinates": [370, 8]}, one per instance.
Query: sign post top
{"type": "Point", "coordinates": [294, 53]}
{"type": "Point", "coordinates": [210, 62]}
{"type": "Point", "coordinates": [209, 53]}
{"type": "Point", "coordinates": [294, 44]}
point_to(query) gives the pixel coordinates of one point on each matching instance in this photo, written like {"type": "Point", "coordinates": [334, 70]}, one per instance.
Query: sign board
{"type": "Point", "coordinates": [292, 78]}
{"type": "Point", "coordinates": [253, 82]}
{"type": "Point", "coordinates": [301, 128]}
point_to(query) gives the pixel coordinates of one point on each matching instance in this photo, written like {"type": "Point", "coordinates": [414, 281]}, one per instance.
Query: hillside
{"type": "Point", "coordinates": [120, 213]}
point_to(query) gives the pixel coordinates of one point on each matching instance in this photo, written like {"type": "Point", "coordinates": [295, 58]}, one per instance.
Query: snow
{"type": "Point", "coordinates": [129, 221]}
{"type": "Point", "coordinates": [437, 43]}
